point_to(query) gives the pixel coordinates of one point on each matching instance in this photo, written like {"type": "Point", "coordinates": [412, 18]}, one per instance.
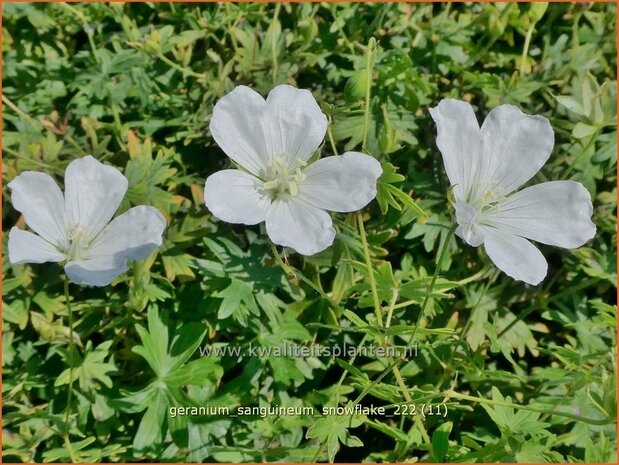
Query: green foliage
{"type": "Point", "coordinates": [525, 373]}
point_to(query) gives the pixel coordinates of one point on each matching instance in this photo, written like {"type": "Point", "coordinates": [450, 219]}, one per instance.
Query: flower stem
{"type": "Point", "coordinates": [368, 88]}
{"type": "Point", "coordinates": [439, 265]}
{"type": "Point", "coordinates": [183, 70]}
{"type": "Point", "coordinates": [368, 263]}
{"type": "Point", "coordinates": [481, 400]}
{"type": "Point", "coordinates": [290, 270]}
{"type": "Point", "coordinates": [86, 27]}
{"type": "Point", "coordinates": [525, 50]}
{"type": "Point", "coordinates": [274, 46]}
{"type": "Point", "coordinates": [525, 313]}
{"type": "Point", "coordinates": [394, 299]}
{"type": "Point", "coordinates": [331, 140]}
{"type": "Point", "coordinates": [70, 360]}
{"type": "Point", "coordinates": [366, 250]}
{"type": "Point", "coordinates": [20, 112]}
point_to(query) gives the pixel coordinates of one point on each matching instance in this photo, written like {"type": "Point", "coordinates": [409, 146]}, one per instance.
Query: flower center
{"type": "Point", "coordinates": [282, 179]}
{"type": "Point", "coordinates": [79, 241]}
{"type": "Point", "coordinates": [468, 219]}
{"type": "Point", "coordinates": [473, 216]}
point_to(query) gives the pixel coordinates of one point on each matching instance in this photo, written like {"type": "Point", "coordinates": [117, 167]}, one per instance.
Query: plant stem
{"type": "Point", "coordinates": [16, 154]}
{"type": "Point", "coordinates": [86, 27]}
{"type": "Point", "coordinates": [290, 270]}
{"type": "Point", "coordinates": [396, 370]}
{"type": "Point", "coordinates": [70, 360]}
{"type": "Point", "coordinates": [273, 46]}
{"type": "Point", "coordinates": [331, 140]}
{"type": "Point", "coordinates": [368, 88]}
{"type": "Point", "coordinates": [481, 400]}
{"type": "Point", "coordinates": [74, 143]}
{"type": "Point", "coordinates": [20, 112]}
{"type": "Point", "coordinates": [394, 299]}
{"type": "Point", "coordinates": [181, 69]}
{"type": "Point", "coordinates": [522, 315]}
{"type": "Point", "coordinates": [437, 270]}
{"type": "Point", "coordinates": [525, 50]}
{"type": "Point", "coordinates": [368, 262]}
{"type": "Point", "coordinates": [366, 250]}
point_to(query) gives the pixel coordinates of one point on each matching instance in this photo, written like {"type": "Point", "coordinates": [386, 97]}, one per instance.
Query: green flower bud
{"type": "Point", "coordinates": [356, 86]}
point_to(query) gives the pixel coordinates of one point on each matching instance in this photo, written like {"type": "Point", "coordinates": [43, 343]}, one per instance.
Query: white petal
{"type": "Point", "coordinates": [555, 213]}
{"type": "Point", "coordinates": [252, 131]}
{"type": "Point", "coordinates": [459, 140]}
{"type": "Point", "coordinates": [297, 224]}
{"type": "Point", "coordinates": [132, 235]}
{"type": "Point", "coordinates": [236, 197]}
{"type": "Point", "coordinates": [236, 126]}
{"type": "Point", "coordinates": [515, 147]}
{"type": "Point", "coordinates": [515, 256]}
{"type": "Point", "coordinates": [96, 272]}
{"type": "Point", "coordinates": [40, 200]}
{"type": "Point", "coordinates": [25, 247]}
{"type": "Point", "coordinates": [342, 183]}
{"type": "Point", "coordinates": [93, 192]}
{"type": "Point", "coordinates": [296, 122]}
{"type": "Point", "coordinates": [468, 230]}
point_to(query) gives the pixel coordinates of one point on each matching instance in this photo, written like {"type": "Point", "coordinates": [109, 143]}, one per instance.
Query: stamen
{"type": "Point", "coordinates": [283, 180]}
{"type": "Point", "coordinates": [292, 187]}
{"type": "Point", "coordinates": [79, 241]}
{"type": "Point", "coordinates": [271, 184]}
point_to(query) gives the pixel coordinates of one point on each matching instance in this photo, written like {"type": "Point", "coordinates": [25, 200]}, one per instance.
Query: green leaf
{"type": "Point", "coordinates": [197, 372]}
{"type": "Point", "coordinates": [440, 442]}
{"type": "Point", "coordinates": [333, 430]}
{"type": "Point", "coordinates": [154, 348]}
{"type": "Point", "coordinates": [150, 434]}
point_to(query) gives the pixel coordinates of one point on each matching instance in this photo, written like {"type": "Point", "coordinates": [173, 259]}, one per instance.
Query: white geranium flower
{"type": "Point", "coordinates": [272, 140]}
{"type": "Point", "coordinates": [486, 165]}
{"type": "Point", "coordinates": [76, 228]}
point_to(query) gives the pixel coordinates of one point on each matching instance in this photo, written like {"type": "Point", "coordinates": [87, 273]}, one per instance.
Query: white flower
{"type": "Point", "coordinates": [76, 227]}
{"type": "Point", "coordinates": [272, 142]}
{"type": "Point", "coordinates": [486, 165]}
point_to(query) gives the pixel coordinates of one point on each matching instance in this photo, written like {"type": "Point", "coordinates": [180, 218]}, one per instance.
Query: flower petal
{"type": "Point", "coordinates": [342, 183]}
{"type": "Point", "coordinates": [515, 256]}
{"type": "Point", "coordinates": [555, 213]}
{"type": "Point", "coordinates": [252, 131]}
{"type": "Point", "coordinates": [459, 140]}
{"type": "Point", "coordinates": [236, 197]}
{"type": "Point", "coordinates": [132, 235]}
{"type": "Point", "coordinates": [236, 126]}
{"type": "Point", "coordinates": [25, 247]}
{"type": "Point", "coordinates": [93, 192]}
{"type": "Point", "coordinates": [40, 200]}
{"type": "Point", "coordinates": [96, 272]}
{"type": "Point", "coordinates": [515, 147]}
{"type": "Point", "coordinates": [295, 223]}
{"type": "Point", "coordinates": [467, 229]}
{"type": "Point", "coordinates": [296, 122]}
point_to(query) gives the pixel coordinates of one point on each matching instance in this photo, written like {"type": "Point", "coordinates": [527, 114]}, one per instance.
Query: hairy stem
{"type": "Point", "coordinates": [439, 265]}
{"type": "Point", "coordinates": [290, 270]}
{"type": "Point", "coordinates": [368, 262]}
{"type": "Point", "coordinates": [525, 313]}
{"type": "Point", "coordinates": [183, 70]}
{"type": "Point", "coordinates": [274, 47]}
{"type": "Point", "coordinates": [20, 112]}
{"type": "Point", "coordinates": [525, 50]}
{"type": "Point", "coordinates": [368, 88]}
{"type": "Point", "coordinates": [481, 400]}
{"type": "Point", "coordinates": [87, 28]}
{"type": "Point", "coordinates": [70, 360]}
